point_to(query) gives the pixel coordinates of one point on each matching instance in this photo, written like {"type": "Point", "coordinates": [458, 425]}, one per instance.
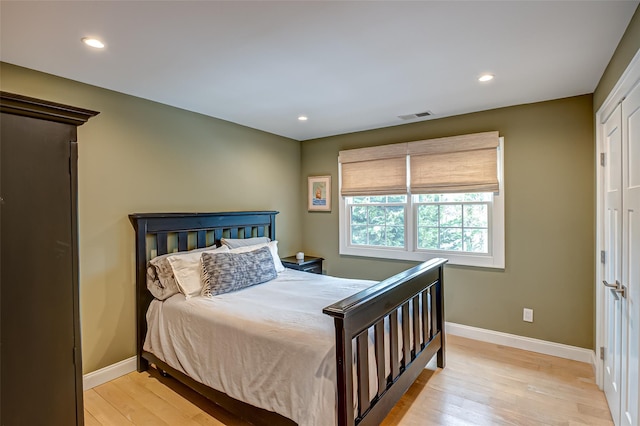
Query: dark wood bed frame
{"type": "Point", "coordinates": [401, 295]}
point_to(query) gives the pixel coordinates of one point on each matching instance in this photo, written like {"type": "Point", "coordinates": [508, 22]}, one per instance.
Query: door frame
{"type": "Point", "coordinates": [624, 85]}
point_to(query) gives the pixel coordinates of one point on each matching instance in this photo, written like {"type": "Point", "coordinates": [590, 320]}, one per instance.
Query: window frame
{"type": "Point", "coordinates": [494, 259]}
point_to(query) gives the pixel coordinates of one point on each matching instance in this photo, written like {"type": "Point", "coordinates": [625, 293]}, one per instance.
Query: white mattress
{"type": "Point", "coordinates": [269, 345]}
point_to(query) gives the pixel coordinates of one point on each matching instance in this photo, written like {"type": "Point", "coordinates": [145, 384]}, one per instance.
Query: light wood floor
{"type": "Point", "coordinates": [482, 384]}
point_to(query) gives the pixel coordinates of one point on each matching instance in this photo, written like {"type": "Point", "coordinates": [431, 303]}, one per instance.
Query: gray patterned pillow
{"type": "Point", "coordinates": [227, 272]}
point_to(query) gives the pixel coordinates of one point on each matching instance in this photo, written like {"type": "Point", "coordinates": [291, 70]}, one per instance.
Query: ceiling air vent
{"type": "Point", "coordinates": [416, 115]}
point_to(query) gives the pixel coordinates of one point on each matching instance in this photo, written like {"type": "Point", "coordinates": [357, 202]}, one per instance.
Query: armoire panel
{"type": "Point", "coordinates": [40, 374]}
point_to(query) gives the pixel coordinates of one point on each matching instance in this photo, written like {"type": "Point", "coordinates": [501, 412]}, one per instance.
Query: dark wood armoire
{"type": "Point", "coordinates": [40, 359]}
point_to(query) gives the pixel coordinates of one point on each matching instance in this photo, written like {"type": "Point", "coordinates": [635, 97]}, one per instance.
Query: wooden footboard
{"type": "Point", "coordinates": [411, 306]}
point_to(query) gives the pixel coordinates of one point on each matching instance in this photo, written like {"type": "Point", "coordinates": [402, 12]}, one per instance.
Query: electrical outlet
{"type": "Point", "coordinates": [527, 315]}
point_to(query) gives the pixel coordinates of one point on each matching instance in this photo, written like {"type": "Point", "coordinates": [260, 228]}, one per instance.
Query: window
{"type": "Point", "coordinates": [465, 227]}
{"type": "Point", "coordinates": [453, 222]}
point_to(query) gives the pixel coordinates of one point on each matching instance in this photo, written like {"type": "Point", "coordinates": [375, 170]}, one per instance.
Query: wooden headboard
{"type": "Point", "coordinates": [161, 233]}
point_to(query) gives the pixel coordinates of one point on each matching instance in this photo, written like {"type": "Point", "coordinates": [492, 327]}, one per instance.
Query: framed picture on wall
{"type": "Point", "coordinates": [319, 193]}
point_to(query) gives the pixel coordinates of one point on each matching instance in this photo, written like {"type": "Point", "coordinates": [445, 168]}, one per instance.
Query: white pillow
{"type": "Point", "coordinates": [243, 242]}
{"type": "Point", "coordinates": [187, 270]}
{"type": "Point", "coordinates": [273, 248]}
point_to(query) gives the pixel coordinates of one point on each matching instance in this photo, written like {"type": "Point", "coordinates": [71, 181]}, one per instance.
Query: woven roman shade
{"type": "Point", "coordinates": [467, 163]}
{"type": "Point", "coordinates": [379, 170]}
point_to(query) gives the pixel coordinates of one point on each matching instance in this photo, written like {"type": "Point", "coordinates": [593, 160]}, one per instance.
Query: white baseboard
{"type": "Point", "coordinates": [108, 373]}
{"type": "Point", "coordinates": [520, 342]}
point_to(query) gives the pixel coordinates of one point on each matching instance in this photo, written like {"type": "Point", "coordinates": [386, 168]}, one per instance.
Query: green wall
{"type": "Point", "coordinates": [141, 156]}
{"type": "Point", "coordinates": [549, 219]}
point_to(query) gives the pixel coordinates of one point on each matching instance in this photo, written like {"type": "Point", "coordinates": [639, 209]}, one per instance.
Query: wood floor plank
{"type": "Point", "coordinates": [483, 385]}
{"type": "Point", "coordinates": [156, 404]}
{"type": "Point", "coordinates": [152, 384]}
{"type": "Point", "coordinates": [137, 413]}
{"type": "Point", "coordinates": [103, 411]}
{"type": "Point", "coordinates": [89, 420]}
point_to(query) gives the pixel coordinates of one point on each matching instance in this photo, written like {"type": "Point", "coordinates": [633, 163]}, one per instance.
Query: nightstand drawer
{"type": "Point", "coordinates": [316, 268]}
{"type": "Point", "coordinates": [308, 264]}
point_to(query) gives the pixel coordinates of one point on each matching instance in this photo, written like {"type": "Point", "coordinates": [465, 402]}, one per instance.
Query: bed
{"type": "Point", "coordinates": [383, 333]}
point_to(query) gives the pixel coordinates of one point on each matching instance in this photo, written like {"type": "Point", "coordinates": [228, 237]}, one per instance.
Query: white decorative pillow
{"type": "Point", "coordinates": [273, 247]}
{"type": "Point", "coordinates": [187, 270]}
{"type": "Point", "coordinates": [227, 272]}
{"type": "Point", "coordinates": [243, 242]}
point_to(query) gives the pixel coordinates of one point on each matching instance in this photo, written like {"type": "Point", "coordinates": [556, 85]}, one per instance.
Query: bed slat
{"type": "Point", "coordinates": [183, 239]}
{"type": "Point", "coordinates": [406, 338]}
{"type": "Point", "coordinates": [380, 355]}
{"type": "Point", "coordinates": [415, 347]}
{"type": "Point", "coordinates": [362, 348]}
{"type": "Point", "coordinates": [161, 243]}
{"type": "Point", "coordinates": [426, 336]}
{"type": "Point", "coordinates": [434, 312]}
{"type": "Point", "coordinates": [201, 239]}
{"type": "Point", "coordinates": [393, 339]}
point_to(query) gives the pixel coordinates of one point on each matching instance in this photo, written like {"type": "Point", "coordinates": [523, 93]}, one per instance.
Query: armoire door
{"type": "Point", "coordinates": [38, 339]}
{"type": "Point", "coordinates": [40, 358]}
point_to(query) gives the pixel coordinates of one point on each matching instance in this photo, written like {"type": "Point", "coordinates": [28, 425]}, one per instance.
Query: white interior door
{"type": "Point", "coordinates": [612, 270]}
{"type": "Point", "coordinates": [629, 395]}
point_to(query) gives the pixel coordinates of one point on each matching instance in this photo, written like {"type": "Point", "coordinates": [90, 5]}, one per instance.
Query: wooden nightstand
{"type": "Point", "coordinates": [308, 264]}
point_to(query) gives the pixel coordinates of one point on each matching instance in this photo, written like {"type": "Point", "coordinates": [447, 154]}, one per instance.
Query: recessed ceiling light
{"type": "Point", "coordinates": [93, 42]}
{"type": "Point", "coordinates": [485, 77]}
{"type": "Point", "coordinates": [303, 118]}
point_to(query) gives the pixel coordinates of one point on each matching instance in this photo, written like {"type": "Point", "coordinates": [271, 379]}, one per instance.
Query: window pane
{"type": "Point", "coordinates": [476, 240]}
{"type": "Point", "coordinates": [395, 236]}
{"type": "Point", "coordinates": [395, 215]}
{"type": "Point", "coordinates": [475, 215]}
{"type": "Point", "coordinates": [376, 215]}
{"type": "Point", "coordinates": [451, 215]}
{"type": "Point", "coordinates": [358, 234]}
{"type": "Point", "coordinates": [478, 196]}
{"type": "Point", "coordinates": [378, 199]}
{"type": "Point", "coordinates": [451, 198]}
{"type": "Point", "coordinates": [397, 199]}
{"type": "Point", "coordinates": [358, 215]}
{"type": "Point", "coordinates": [428, 198]}
{"type": "Point", "coordinates": [428, 215]}
{"type": "Point", "coordinates": [376, 235]}
{"type": "Point", "coordinates": [428, 238]}
{"type": "Point", "coordinates": [451, 239]}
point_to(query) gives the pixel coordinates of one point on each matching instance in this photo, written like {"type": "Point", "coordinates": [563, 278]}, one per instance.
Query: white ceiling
{"type": "Point", "coordinates": [348, 65]}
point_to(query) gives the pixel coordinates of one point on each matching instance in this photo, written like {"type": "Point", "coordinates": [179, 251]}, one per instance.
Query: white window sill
{"type": "Point", "coordinates": [463, 259]}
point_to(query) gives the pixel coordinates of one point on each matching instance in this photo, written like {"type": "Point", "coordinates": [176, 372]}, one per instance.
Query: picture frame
{"type": "Point", "coordinates": [319, 193]}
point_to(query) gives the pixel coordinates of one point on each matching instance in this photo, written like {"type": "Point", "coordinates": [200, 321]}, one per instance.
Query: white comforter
{"type": "Point", "coordinates": [269, 345]}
